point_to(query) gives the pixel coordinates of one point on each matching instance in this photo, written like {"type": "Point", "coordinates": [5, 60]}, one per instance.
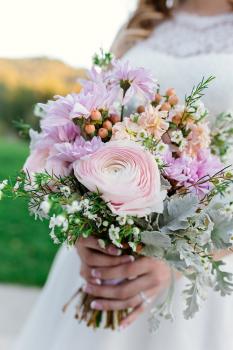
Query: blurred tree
{"type": "Point", "coordinates": [25, 82]}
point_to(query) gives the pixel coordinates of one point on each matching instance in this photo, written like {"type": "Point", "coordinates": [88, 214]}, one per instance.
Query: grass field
{"type": "Point", "coordinates": [26, 251]}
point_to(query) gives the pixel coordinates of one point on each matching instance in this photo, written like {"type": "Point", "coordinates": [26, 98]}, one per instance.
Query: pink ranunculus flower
{"type": "Point", "coordinates": [126, 175]}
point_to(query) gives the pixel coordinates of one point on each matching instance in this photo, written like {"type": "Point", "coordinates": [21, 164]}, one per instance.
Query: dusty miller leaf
{"type": "Point", "coordinates": [188, 255]}
{"type": "Point", "coordinates": [222, 230]}
{"type": "Point", "coordinates": [155, 243]}
{"type": "Point", "coordinates": [223, 279]}
{"type": "Point", "coordinates": [194, 296]}
{"type": "Point", "coordinates": [177, 211]}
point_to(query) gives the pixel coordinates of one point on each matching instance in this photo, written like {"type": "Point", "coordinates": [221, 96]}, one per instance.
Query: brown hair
{"type": "Point", "coordinates": [148, 14]}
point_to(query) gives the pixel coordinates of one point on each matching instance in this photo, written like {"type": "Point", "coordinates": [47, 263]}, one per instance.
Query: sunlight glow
{"type": "Point", "coordinates": [71, 30]}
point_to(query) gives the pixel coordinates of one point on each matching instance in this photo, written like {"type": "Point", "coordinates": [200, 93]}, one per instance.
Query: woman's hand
{"type": "Point", "coordinates": [144, 278]}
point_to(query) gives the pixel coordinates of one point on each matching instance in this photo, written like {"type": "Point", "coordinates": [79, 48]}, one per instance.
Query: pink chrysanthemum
{"type": "Point", "coordinates": [189, 172]}
{"type": "Point", "coordinates": [134, 80]}
{"type": "Point", "coordinates": [70, 152]}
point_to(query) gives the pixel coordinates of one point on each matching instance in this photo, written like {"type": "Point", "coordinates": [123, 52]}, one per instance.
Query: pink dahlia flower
{"type": "Point", "coordinates": [127, 177]}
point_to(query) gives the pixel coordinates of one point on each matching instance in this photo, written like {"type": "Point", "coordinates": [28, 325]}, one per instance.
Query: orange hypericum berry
{"type": "Point", "coordinates": [173, 100]}
{"type": "Point", "coordinates": [89, 129]}
{"type": "Point", "coordinates": [107, 125]}
{"type": "Point", "coordinates": [115, 118]}
{"type": "Point", "coordinates": [158, 98]}
{"type": "Point", "coordinates": [165, 106]}
{"type": "Point", "coordinates": [96, 115]}
{"type": "Point", "coordinates": [141, 109]}
{"type": "Point", "coordinates": [103, 133]}
{"type": "Point", "coordinates": [170, 92]}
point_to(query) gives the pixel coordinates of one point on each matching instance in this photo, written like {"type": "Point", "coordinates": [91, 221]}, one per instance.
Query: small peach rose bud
{"type": "Point", "coordinates": [96, 115]}
{"type": "Point", "coordinates": [139, 248]}
{"type": "Point", "coordinates": [89, 129]}
{"type": "Point", "coordinates": [177, 119]}
{"type": "Point", "coordinates": [115, 118]}
{"type": "Point", "coordinates": [165, 106]}
{"type": "Point", "coordinates": [170, 92]}
{"type": "Point", "coordinates": [103, 133]}
{"type": "Point", "coordinates": [173, 100]}
{"type": "Point", "coordinates": [141, 109]}
{"type": "Point", "coordinates": [107, 125]}
{"type": "Point", "coordinates": [158, 98]}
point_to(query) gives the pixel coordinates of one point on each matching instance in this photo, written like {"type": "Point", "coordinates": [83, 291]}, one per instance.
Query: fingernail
{"type": "Point", "coordinates": [95, 273]}
{"type": "Point", "coordinates": [87, 288]}
{"type": "Point", "coordinates": [132, 278]}
{"type": "Point", "coordinates": [114, 251]}
{"type": "Point", "coordinates": [122, 327]}
{"type": "Point", "coordinates": [97, 281]}
{"type": "Point", "coordinates": [96, 305]}
{"type": "Point", "coordinates": [128, 258]}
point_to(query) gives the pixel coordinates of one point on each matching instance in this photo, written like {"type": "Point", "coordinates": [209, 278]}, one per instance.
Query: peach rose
{"type": "Point", "coordinates": [126, 175]}
{"type": "Point", "coordinates": [199, 138]}
{"type": "Point", "coordinates": [127, 130]}
{"type": "Point", "coordinates": [153, 121]}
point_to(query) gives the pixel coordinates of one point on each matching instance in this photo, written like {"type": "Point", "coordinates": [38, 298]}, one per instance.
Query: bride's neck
{"type": "Point", "coordinates": [207, 7]}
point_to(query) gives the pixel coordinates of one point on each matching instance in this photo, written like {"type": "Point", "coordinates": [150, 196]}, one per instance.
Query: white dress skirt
{"type": "Point", "coordinates": [179, 52]}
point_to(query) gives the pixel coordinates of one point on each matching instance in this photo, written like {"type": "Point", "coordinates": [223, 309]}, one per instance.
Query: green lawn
{"type": "Point", "coordinates": [26, 251]}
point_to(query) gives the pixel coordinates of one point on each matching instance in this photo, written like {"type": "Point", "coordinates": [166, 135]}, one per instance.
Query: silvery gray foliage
{"type": "Point", "coordinates": [165, 184]}
{"type": "Point", "coordinates": [177, 211]}
{"type": "Point", "coordinates": [155, 243]}
{"type": "Point", "coordinates": [223, 229]}
{"type": "Point", "coordinates": [188, 254]}
{"type": "Point", "coordinates": [200, 232]}
{"type": "Point", "coordinates": [194, 295]}
{"type": "Point", "coordinates": [163, 309]}
{"type": "Point", "coordinates": [224, 279]}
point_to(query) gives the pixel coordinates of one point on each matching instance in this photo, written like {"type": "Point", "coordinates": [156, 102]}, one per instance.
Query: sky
{"type": "Point", "coordinates": [71, 30]}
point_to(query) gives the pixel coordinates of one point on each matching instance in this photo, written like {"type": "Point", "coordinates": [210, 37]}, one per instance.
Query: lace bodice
{"type": "Point", "coordinates": [205, 35]}
{"type": "Point", "coordinates": [183, 49]}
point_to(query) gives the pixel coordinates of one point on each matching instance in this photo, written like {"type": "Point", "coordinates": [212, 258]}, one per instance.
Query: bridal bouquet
{"type": "Point", "coordinates": [135, 168]}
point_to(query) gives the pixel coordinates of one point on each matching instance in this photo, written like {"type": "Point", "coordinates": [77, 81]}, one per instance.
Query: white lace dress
{"type": "Point", "coordinates": [179, 52]}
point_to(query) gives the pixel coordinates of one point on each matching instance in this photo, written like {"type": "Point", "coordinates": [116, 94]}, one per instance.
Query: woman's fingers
{"type": "Point", "coordinates": [123, 271]}
{"type": "Point", "coordinates": [123, 291]}
{"type": "Point", "coordinates": [132, 316]}
{"type": "Point", "coordinates": [93, 243]}
{"type": "Point", "coordinates": [95, 259]}
{"type": "Point", "coordinates": [106, 304]}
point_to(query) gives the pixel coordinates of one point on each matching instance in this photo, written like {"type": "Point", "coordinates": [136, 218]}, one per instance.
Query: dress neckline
{"type": "Point", "coordinates": [188, 18]}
